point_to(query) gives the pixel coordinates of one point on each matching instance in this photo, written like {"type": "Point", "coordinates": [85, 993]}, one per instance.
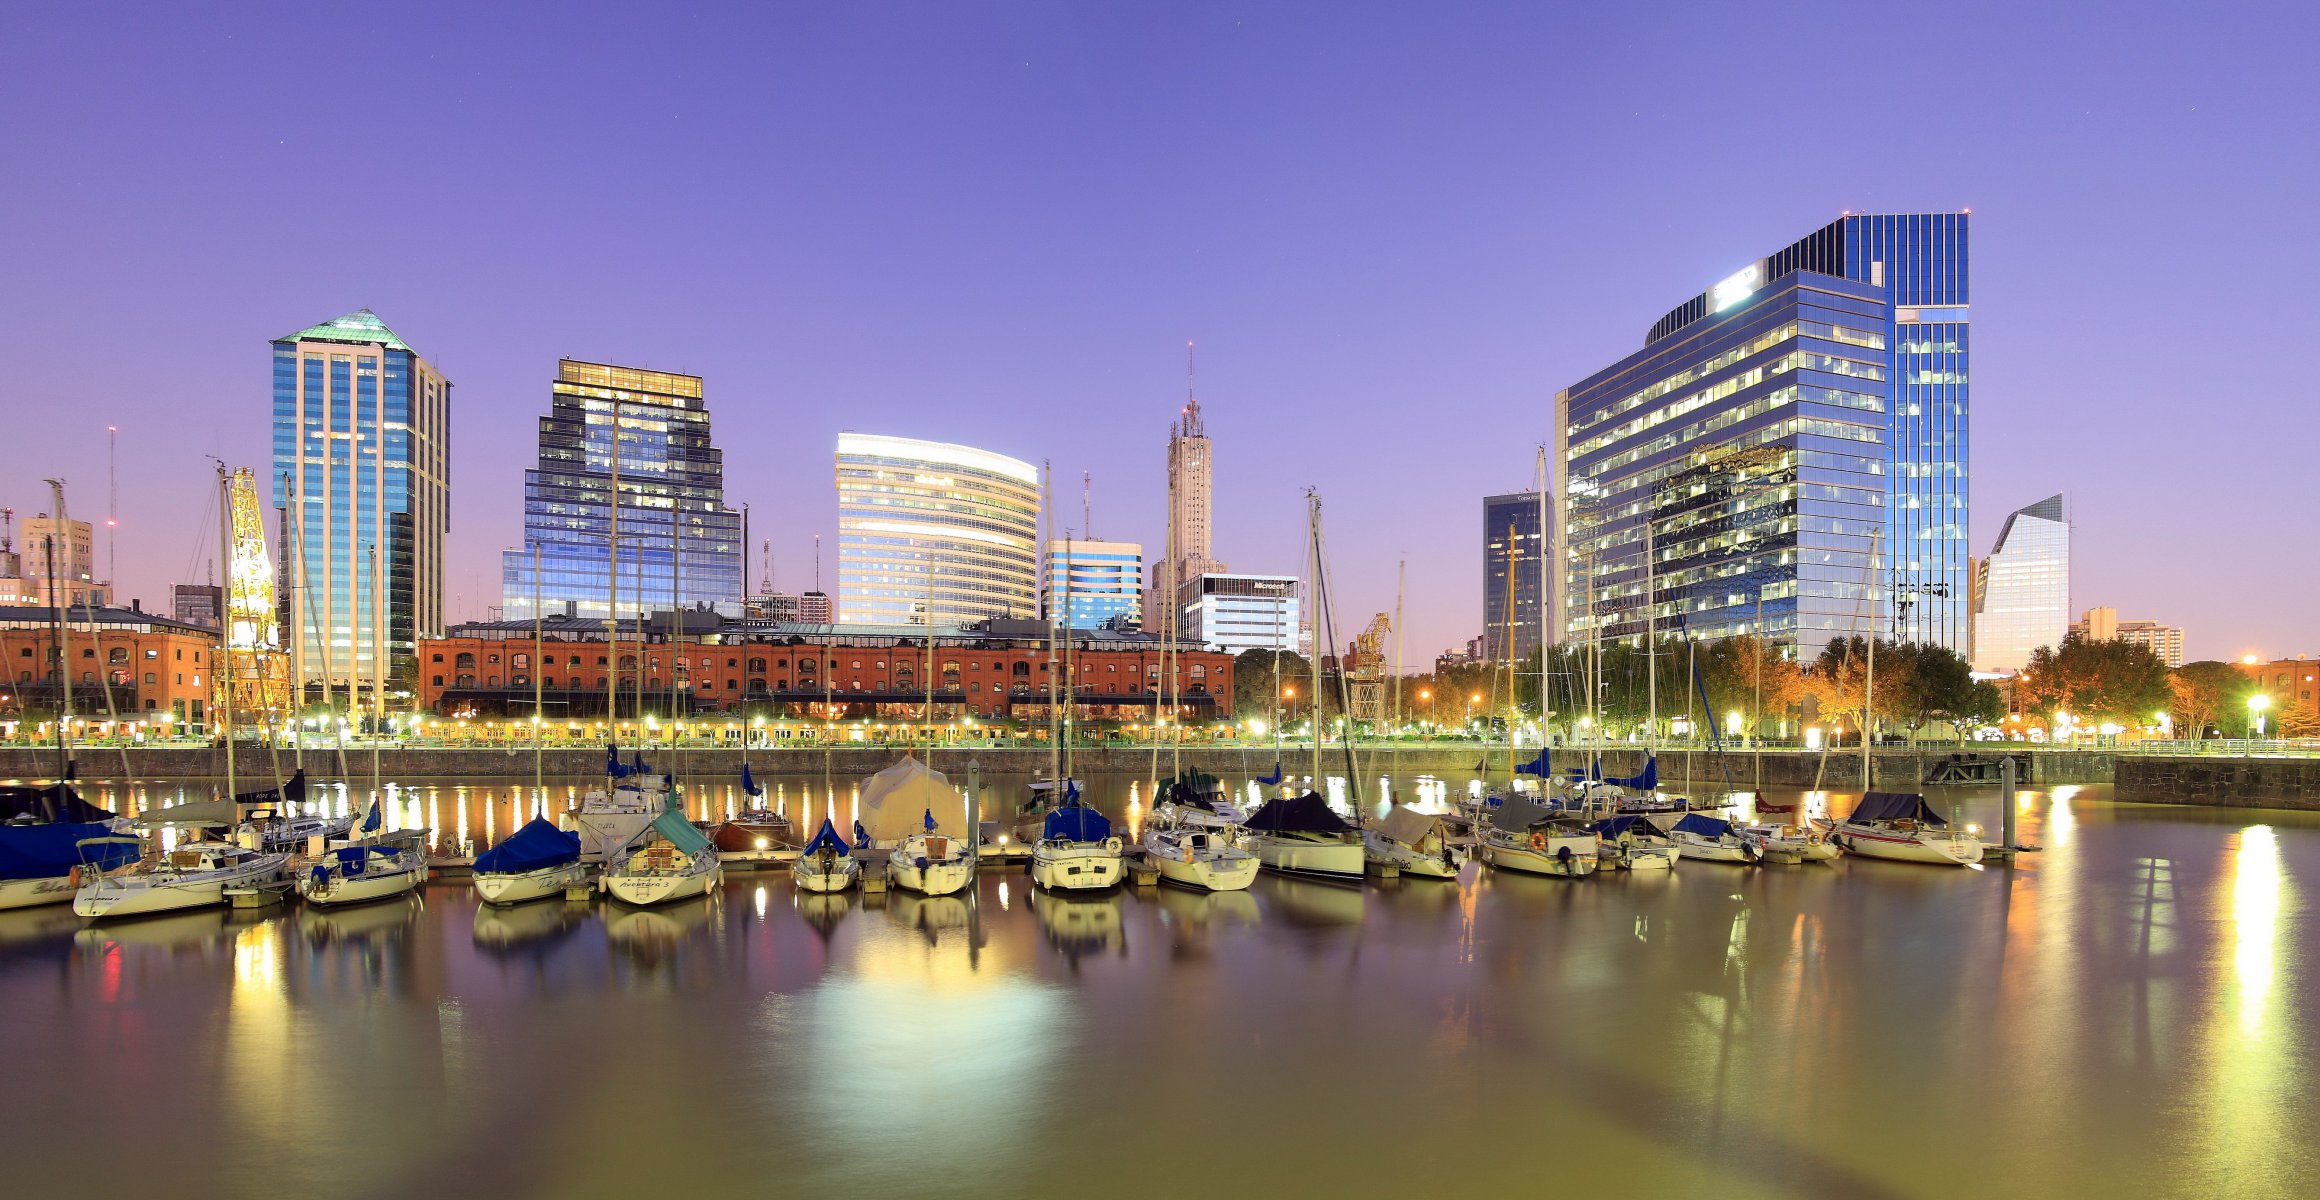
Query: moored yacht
{"type": "Point", "coordinates": [191, 876]}
{"type": "Point", "coordinates": [366, 867]}
{"type": "Point", "coordinates": [1902, 827]}
{"type": "Point", "coordinates": [42, 856]}
{"type": "Point", "coordinates": [672, 861]}
{"type": "Point", "coordinates": [826, 864]}
{"type": "Point", "coordinates": [1198, 855]}
{"type": "Point", "coordinates": [931, 862]}
{"type": "Point", "coordinates": [1415, 843]}
{"type": "Point", "coordinates": [1789, 845]}
{"type": "Point", "coordinates": [1304, 836]}
{"type": "Point", "coordinates": [535, 862]}
{"type": "Point", "coordinates": [612, 817]}
{"type": "Point", "coordinates": [1077, 850]}
{"type": "Point", "coordinates": [1710, 839]}
{"type": "Point", "coordinates": [1534, 839]}
{"type": "Point", "coordinates": [1631, 843]}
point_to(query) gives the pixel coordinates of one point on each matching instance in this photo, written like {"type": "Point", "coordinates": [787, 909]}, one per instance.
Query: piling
{"type": "Point", "coordinates": [1380, 870]}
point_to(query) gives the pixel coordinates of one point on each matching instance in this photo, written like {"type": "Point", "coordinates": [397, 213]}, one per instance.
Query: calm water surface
{"type": "Point", "coordinates": [2126, 1013]}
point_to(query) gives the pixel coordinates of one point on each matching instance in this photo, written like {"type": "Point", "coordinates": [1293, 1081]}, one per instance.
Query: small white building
{"type": "Point", "coordinates": [1242, 612]}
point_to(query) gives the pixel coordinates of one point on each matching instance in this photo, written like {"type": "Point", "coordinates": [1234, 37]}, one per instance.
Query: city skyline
{"type": "Point", "coordinates": [1432, 349]}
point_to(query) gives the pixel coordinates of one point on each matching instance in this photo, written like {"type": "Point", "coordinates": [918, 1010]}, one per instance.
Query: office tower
{"type": "Point", "coordinates": [69, 543]}
{"type": "Point", "coordinates": [1187, 555]}
{"type": "Point", "coordinates": [1511, 521]}
{"type": "Point", "coordinates": [202, 604]}
{"type": "Point", "coordinates": [671, 485]}
{"type": "Point", "coordinates": [1107, 582]}
{"type": "Point", "coordinates": [2103, 624]}
{"type": "Point", "coordinates": [2022, 590]}
{"type": "Point", "coordinates": [1243, 612]}
{"type": "Point", "coordinates": [927, 522]}
{"type": "Point", "coordinates": [814, 608]}
{"type": "Point", "coordinates": [362, 461]}
{"type": "Point", "coordinates": [1803, 416]}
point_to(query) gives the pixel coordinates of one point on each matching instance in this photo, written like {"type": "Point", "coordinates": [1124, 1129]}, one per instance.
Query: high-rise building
{"type": "Point", "coordinates": [2103, 624]}
{"type": "Point", "coordinates": [71, 545]}
{"type": "Point", "coordinates": [1775, 435]}
{"type": "Point", "coordinates": [814, 608]}
{"type": "Point", "coordinates": [679, 545]}
{"type": "Point", "coordinates": [1188, 554]}
{"type": "Point", "coordinates": [1107, 582]}
{"type": "Point", "coordinates": [1242, 612]}
{"type": "Point", "coordinates": [1510, 538]}
{"type": "Point", "coordinates": [2021, 592]}
{"type": "Point", "coordinates": [362, 465]}
{"type": "Point", "coordinates": [202, 604]}
{"type": "Point", "coordinates": [925, 524]}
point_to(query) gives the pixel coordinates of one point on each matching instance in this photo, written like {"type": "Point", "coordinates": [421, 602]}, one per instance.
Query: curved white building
{"type": "Point", "coordinates": [922, 518]}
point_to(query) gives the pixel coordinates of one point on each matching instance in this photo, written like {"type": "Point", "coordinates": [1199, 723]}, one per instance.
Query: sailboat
{"type": "Point", "coordinates": [274, 812]}
{"type": "Point", "coordinates": [755, 828]}
{"type": "Point", "coordinates": [672, 861]}
{"type": "Point", "coordinates": [931, 861]}
{"type": "Point", "coordinates": [1304, 836]}
{"type": "Point", "coordinates": [826, 864]}
{"type": "Point", "coordinates": [1077, 850]}
{"type": "Point", "coordinates": [610, 818]}
{"type": "Point", "coordinates": [1902, 827]}
{"type": "Point", "coordinates": [1527, 836]}
{"type": "Point", "coordinates": [906, 809]}
{"type": "Point", "coordinates": [41, 831]}
{"type": "Point", "coordinates": [361, 869]}
{"type": "Point", "coordinates": [1632, 843]}
{"type": "Point", "coordinates": [1789, 845]}
{"type": "Point", "coordinates": [1710, 839]}
{"type": "Point", "coordinates": [535, 862]}
{"type": "Point", "coordinates": [1414, 842]}
{"type": "Point", "coordinates": [191, 876]}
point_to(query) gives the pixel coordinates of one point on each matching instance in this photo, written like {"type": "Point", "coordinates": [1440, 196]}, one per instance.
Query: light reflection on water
{"type": "Point", "coordinates": [2117, 1015]}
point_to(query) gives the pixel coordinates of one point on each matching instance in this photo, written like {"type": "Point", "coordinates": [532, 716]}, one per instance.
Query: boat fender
{"type": "Point", "coordinates": [1563, 855]}
{"type": "Point", "coordinates": [72, 878]}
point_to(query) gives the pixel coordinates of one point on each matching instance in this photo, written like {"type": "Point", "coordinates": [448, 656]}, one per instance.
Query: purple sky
{"type": "Point", "coordinates": [1394, 235]}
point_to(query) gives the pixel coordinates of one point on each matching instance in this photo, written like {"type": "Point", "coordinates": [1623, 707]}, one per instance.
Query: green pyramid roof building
{"type": "Point", "coordinates": [362, 326]}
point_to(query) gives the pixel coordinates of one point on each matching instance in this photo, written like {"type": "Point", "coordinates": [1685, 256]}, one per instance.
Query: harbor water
{"type": "Point", "coordinates": [2126, 1012]}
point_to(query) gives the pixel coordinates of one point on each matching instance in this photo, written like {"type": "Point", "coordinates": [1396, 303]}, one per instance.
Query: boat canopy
{"type": "Point", "coordinates": [894, 799]}
{"type": "Point", "coordinates": [536, 847]}
{"type": "Point", "coordinates": [47, 851]}
{"type": "Point", "coordinates": [293, 792]}
{"type": "Point", "coordinates": [1076, 823]}
{"type": "Point", "coordinates": [200, 812]}
{"type": "Point", "coordinates": [1645, 780]}
{"type": "Point", "coordinates": [1613, 828]}
{"type": "Point", "coordinates": [750, 785]}
{"type": "Point", "coordinates": [1703, 825]}
{"type": "Point", "coordinates": [56, 802]}
{"type": "Point", "coordinates": [826, 839]}
{"type": "Point", "coordinates": [1521, 812]}
{"type": "Point", "coordinates": [1308, 813]}
{"type": "Point", "coordinates": [1406, 825]}
{"type": "Point", "coordinates": [1538, 766]}
{"type": "Point", "coordinates": [1895, 806]}
{"type": "Point", "coordinates": [679, 832]}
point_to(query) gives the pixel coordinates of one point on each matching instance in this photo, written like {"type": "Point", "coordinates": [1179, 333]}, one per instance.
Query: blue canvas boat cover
{"type": "Point", "coordinates": [1537, 766]}
{"type": "Point", "coordinates": [1308, 813]}
{"type": "Point", "coordinates": [49, 851]}
{"type": "Point", "coordinates": [1612, 827]}
{"type": "Point", "coordinates": [1646, 781]}
{"type": "Point", "coordinates": [826, 839]}
{"type": "Point", "coordinates": [55, 802]}
{"type": "Point", "coordinates": [748, 783]}
{"type": "Point", "coordinates": [535, 847]}
{"type": "Point", "coordinates": [1895, 806]}
{"type": "Point", "coordinates": [1704, 825]}
{"type": "Point", "coordinates": [1076, 823]}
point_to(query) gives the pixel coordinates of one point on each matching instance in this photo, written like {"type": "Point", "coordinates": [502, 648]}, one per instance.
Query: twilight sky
{"type": "Point", "coordinates": [1394, 233]}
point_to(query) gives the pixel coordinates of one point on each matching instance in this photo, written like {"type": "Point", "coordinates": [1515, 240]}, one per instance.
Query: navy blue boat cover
{"type": "Point", "coordinates": [48, 851]}
{"type": "Point", "coordinates": [56, 802]}
{"type": "Point", "coordinates": [826, 839]}
{"type": "Point", "coordinates": [1537, 766]}
{"type": "Point", "coordinates": [1275, 777]}
{"type": "Point", "coordinates": [1895, 806]}
{"type": "Point", "coordinates": [1648, 780]}
{"type": "Point", "coordinates": [1704, 825]}
{"type": "Point", "coordinates": [1614, 826]}
{"type": "Point", "coordinates": [1308, 813]}
{"type": "Point", "coordinates": [1077, 823]}
{"type": "Point", "coordinates": [537, 846]}
{"type": "Point", "coordinates": [749, 784]}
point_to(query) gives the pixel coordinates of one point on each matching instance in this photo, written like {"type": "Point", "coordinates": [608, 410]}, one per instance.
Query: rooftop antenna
{"type": "Point", "coordinates": [1191, 426]}
{"type": "Point", "coordinates": [1086, 508]}
{"type": "Point", "coordinates": [765, 586]}
{"type": "Point", "coordinates": [817, 564]}
{"type": "Point", "coordinates": [7, 530]}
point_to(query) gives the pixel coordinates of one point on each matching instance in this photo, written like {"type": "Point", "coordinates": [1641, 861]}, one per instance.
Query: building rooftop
{"type": "Point", "coordinates": [360, 327]}
{"type": "Point", "coordinates": [29, 616]}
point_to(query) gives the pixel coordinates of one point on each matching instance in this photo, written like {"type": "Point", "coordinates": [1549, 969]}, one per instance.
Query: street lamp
{"type": "Point", "coordinates": [2256, 706]}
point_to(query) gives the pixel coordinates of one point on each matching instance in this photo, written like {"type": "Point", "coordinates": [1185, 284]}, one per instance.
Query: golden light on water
{"type": "Point", "coordinates": [2255, 925]}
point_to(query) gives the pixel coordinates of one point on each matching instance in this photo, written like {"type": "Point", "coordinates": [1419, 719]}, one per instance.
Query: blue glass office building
{"type": "Point", "coordinates": [679, 544]}
{"type": "Point", "coordinates": [1510, 539]}
{"type": "Point", "coordinates": [1790, 445]}
{"type": "Point", "coordinates": [362, 429]}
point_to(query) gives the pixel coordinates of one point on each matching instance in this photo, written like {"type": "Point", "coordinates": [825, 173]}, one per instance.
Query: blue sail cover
{"type": "Point", "coordinates": [372, 820]}
{"type": "Point", "coordinates": [1613, 827]}
{"type": "Point", "coordinates": [1273, 778]}
{"type": "Point", "coordinates": [56, 802]}
{"type": "Point", "coordinates": [50, 851]}
{"type": "Point", "coordinates": [861, 835]}
{"type": "Point", "coordinates": [1704, 825]}
{"type": "Point", "coordinates": [826, 839]}
{"type": "Point", "coordinates": [748, 784]}
{"type": "Point", "coordinates": [1646, 781]}
{"type": "Point", "coordinates": [1537, 766]}
{"type": "Point", "coordinates": [1895, 806]}
{"type": "Point", "coordinates": [536, 847]}
{"type": "Point", "coordinates": [1076, 823]}
{"type": "Point", "coordinates": [612, 765]}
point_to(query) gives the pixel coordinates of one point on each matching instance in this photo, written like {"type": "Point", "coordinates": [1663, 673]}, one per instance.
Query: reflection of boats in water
{"type": "Point", "coordinates": [649, 931]}
{"type": "Point", "coordinates": [1301, 902]}
{"type": "Point", "coordinates": [512, 927]}
{"type": "Point", "coordinates": [930, 915]}
{"type": "Point", "coordinates": [23, 929]}
{"type": "Point", "coordinates": [392, 918]}
{"type": "Point", "coordinates": [1078, 925]}
{"type": "Point", "coordinates": [178, 929]}
{"type": "Point", "coordinates": [822, 911]}
{"type": "Point", "coordinates": [1206, 910]}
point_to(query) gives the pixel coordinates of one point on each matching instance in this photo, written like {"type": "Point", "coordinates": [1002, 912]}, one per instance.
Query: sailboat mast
{"type": "Point", "coordinates": [1548, 558]}
{"type": "Point", "coordinates": [1869, 675]}
{"type": "Point", "coordinates": [378, 664]}
{"type": "Point", "coordinates": [1070, 688]}
{"type": "Point", "coordinates": [1513, 562]}
{"type": "Point", "coordinates": [1401, 576]}
{"type": "Point", "coordinates": [612, 586]}
{"type": "Point", "coordinates": [676, 636]}
{"type": "Point", "coordinates": [62, 632]}
{"type": "Point", "coordinates": [1650, 623]}
{"type": "Point", "coordinates": [539, 697]}
{"type": "Point", "coordinates": [225, 693]}
{"type": "Point", "coordinates": [1313, 584]}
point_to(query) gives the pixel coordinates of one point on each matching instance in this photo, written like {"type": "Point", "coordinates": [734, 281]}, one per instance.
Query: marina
{"type": "Point", "coordinates": [2115, 1009]}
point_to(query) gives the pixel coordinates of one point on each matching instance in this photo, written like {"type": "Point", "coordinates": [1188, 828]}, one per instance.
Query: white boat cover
{"type": "Point", "coordinates": [895, 802]}
{"type": "Point", "coordinates": [1406, 825]}
{"type": "Point", "coordinates": [198, 813]}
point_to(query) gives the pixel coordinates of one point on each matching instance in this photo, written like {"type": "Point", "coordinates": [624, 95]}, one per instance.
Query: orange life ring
{"type": "Point", "coordinates": [1538, 841]}
{"type": "Point", "coordinates": [72, 878]}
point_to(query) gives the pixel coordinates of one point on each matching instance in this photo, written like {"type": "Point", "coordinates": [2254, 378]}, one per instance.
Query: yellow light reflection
{"type": "Point", "coordinates": [2255, 924]}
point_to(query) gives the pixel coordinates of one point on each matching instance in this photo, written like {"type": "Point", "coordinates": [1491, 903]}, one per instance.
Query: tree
{"type": "Point", "coordinates": [1254, 684]}
{"type": "Point", "coordinates": [1841, 675]}
{"type": "Point", "coordinates": [1936, 683]}
{"type": "Point", "coordinates": [2096, 680]}
{"type": "Point", "coordinates": [2202, 692]}
{"type": "Point", "coordinates": [1747, 674]}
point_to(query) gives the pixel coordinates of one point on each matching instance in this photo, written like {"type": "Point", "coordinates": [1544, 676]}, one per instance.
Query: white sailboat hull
{"type": "Point", "coordinates": [1549, 859]}
{"type": "Point", "coordinates": [1213, 868]}
{"type": "Point", "coordinates": [1078, 866]}
{"type": "Point", "coordinates": [373, 884]}
{"type": "Point", "coordinates": [1648, 858]}
{"type": "Point", "coordinates": [933, 879]}
{"type": "Point", "coordinates": [31, 893]}
{"type": "Point", "coordinates": [1918, 846]}
{"type": "Point", "coordinates": [530, 885]}
{"type": "Point", "coordinates": [811, 877]}
{"type": "Point", "coordinates": [142, 894]}
{"type": "Point", "coordinates": [646, 888]}
{"type": "Point", "coordinates": [1321, 859]}
{"type": "Point", "coordinates": [1704, 850]}
{"type": "Point", "coordinates": [1384, 851]}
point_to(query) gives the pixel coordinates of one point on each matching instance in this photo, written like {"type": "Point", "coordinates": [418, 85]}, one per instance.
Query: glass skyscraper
{"type": "Point", "coordinates": [928, 523]}
{"type": "Point", "coordinates": [1511, 521]}
{"type": "Point", "coordinates": [672, 486]}
{"type": "Point", "coordinates": [1790, 447]}
{"type": "Point", "coordinates": [1106, 578]}
{"type": "Point", "coordinates": [2022, 590]}
{"type": "Point", "coordinates": [362, 429]}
